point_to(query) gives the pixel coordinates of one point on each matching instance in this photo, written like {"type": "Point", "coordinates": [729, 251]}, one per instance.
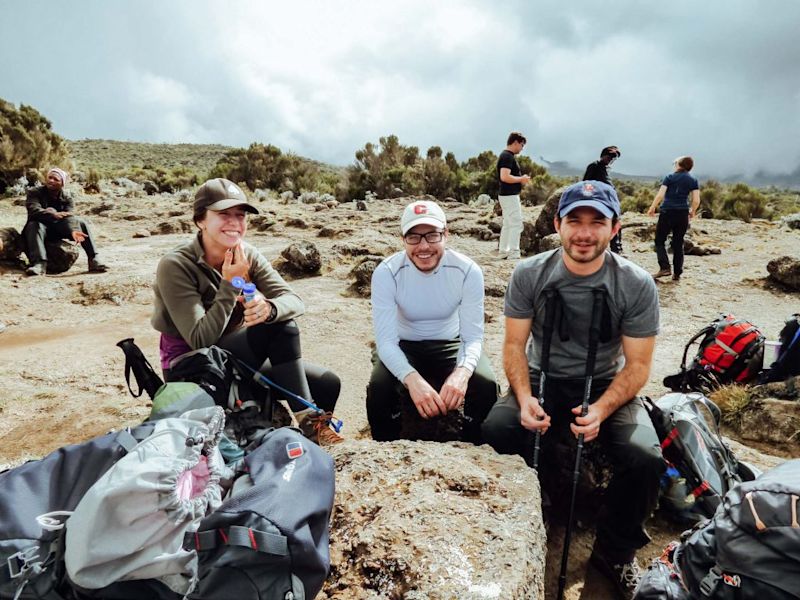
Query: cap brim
{"type": "Point", "coordinates": [598, 206]}
{"type": "Point", "coordinates": [423, 221]}
{"type": "Point", "coordinates": [230, 203]}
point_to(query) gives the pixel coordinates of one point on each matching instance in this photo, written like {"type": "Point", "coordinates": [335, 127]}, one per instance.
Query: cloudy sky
{"type": "Point", "coordinates": [719, 79]}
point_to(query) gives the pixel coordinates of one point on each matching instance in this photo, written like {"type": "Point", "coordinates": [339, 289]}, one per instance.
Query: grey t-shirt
{"type": "Point", "coordinates": [632, 300]}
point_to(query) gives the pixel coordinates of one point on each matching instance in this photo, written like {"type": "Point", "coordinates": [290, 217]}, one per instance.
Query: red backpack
{"type": "Point", "coordinates": [731, 351]}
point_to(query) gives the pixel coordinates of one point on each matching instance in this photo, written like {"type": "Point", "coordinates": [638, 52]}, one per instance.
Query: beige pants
{"type": "Point", "coordinates": [512, 224]}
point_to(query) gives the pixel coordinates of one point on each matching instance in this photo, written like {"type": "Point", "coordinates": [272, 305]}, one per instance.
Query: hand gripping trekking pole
{"type": "Point", "coordinates": [594, 337]}
{"type": "Point", "coordinates": [265, 381]}
{"type": "Point", "coordinates": [549, 324]}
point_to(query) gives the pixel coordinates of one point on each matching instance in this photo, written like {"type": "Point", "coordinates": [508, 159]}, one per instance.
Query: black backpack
{"type": "Point", "coordinates": [31, 561]}
{"type": "Point", "coordinates": [688, 427]}
{"type": "Point", "coordinates": [662, 579]}
{"type": "Point", "coordinates": [750, 549]}
{"type": "Point", "coordinates": [247, 403]}
{"type": "Point", "coordinates": [731, 351]}
{"type": "Point", "coordinates": [788, 361]}
{"type": "Point", "coordinates": [270, 540]}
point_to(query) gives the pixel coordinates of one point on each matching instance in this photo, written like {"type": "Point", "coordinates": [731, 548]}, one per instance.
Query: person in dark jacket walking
{"type": "Point", "coordinates": [598, 171]}
{"type": "Point", "coordinates": [51, 216]}
{"type": "Point", "coordinates": [675, 214]}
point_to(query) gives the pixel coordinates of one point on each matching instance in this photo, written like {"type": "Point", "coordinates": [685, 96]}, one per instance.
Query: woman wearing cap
{"type": "Point", "coordinates": [675, 214]}
{"type": "Point", "coordinates": [197, 305]}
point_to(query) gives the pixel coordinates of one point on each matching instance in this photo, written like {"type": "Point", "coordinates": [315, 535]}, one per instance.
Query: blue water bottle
{"type": "Point", "coordinates": [249, 291]}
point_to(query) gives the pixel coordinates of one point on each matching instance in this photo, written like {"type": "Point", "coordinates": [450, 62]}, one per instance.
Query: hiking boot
{"type": "Point", "coordinates": [676, 277]}
{"type": "Point", "coordinates": [97, 266]}
{"type": "Point", "coordinates": [662, 273]}
{"type": "Point", "coordinates": [625, 576]}
{"type": "Point", "coordinates": [316, 427]}
{"type": "Point", "coordinates": [36, 269]}
{"type": "Point", "coordinates": [513, 256]}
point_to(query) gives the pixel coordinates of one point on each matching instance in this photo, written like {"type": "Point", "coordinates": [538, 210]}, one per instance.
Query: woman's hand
{"type": "Point", "coordinates": [257, 311]}
{"type": "Point", "coordinates": [235, 264]}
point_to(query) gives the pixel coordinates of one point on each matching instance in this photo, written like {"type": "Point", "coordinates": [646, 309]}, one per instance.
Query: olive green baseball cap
{"type": "Point", "coordinates": [221, 194]}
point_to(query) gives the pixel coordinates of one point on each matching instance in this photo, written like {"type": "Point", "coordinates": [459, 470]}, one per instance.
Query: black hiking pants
{"type": "Point", "coordinates": [434, 360]}
{"type": "Point", "coordinates": [628, 440]}
{"type": "Point", "coordinates": [274, 349]}
{"type": "Point", "coordinates": [675, 222]}
{"type": "Point", "coordinates": [35, 233]}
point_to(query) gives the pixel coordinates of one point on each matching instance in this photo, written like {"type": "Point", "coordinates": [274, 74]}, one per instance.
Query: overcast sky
{"type": "Point", "coordinates": [718, 79]}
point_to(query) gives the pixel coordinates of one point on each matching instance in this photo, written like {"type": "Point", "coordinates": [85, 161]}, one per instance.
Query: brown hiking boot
{"type": "Point", "coordinates": [316, 427]}
{"type": "Point", "coordinates": [662, 273]}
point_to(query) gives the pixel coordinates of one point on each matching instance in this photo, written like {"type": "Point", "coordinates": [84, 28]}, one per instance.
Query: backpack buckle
{"type": "Point", "coordinates": [24, 561]}
{"type": "Point", "coordinates": [709, 583]}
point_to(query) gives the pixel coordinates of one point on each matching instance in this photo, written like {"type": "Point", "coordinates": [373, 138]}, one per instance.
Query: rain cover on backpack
{"type": "Point", "coordinates": [130, 524]}
{"type": "Point", "coordinates": [750, 549]}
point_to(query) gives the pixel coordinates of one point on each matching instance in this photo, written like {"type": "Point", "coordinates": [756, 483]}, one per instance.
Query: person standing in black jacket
{"type": "Point", "coordinates": [598, 171]}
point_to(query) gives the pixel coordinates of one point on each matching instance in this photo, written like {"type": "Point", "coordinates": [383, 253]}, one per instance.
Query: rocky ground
{"type": "Point", "coordinates": [62, 375]}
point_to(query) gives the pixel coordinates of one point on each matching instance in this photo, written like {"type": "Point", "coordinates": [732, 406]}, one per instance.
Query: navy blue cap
{"type": "Point", "coordinates": [595, 194]}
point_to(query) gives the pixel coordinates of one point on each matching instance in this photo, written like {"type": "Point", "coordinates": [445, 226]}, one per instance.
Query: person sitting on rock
{"type": "Point", "coordinates": [427, 310]}
{"type": "Point", "coordinates": [51, 217]}
{"type": "Point", "coordinates": [197, 305]}
{"type": "Point", "coordinates": [586, 220]}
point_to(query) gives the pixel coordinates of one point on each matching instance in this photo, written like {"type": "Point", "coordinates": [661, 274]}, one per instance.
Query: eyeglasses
{"type": "Point", "coordinates": [432, 237]}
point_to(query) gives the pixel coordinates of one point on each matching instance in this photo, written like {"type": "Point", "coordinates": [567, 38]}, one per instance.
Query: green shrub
{"type": "Point", "coordinates": [92, 183]}
{"type": "Point", "coordinates": [27, 142]}
{"type": "Point", "coordinates": [638, 202]}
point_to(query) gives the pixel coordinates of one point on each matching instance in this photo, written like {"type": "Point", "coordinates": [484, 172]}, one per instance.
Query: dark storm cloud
{"type": "Point", "coordinates": [718, 80]}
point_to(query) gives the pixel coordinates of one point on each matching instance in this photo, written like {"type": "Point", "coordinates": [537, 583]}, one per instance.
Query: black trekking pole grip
{"type": "Point", "coordinates": [549, 317]}
{"type": "Point", "coordinates": [591, 356]}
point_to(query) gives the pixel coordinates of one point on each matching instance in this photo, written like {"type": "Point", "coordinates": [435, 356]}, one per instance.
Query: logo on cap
{"type": "Point", "coordinates": [588, 190]}
{"type": "Point", "coordinates": [294, 449]}
{"type": "Point", "coordinates": [420, 209]}
{"type": "Point", "coordinates": [232, 189]}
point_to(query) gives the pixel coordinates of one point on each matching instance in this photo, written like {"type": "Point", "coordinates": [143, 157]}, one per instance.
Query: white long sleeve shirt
{"type": "Point", "coordinates": [445, 304]}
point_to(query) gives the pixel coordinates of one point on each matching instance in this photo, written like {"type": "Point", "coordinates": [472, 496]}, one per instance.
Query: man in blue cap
{"type": "Point", "coordinates": [587, 218]}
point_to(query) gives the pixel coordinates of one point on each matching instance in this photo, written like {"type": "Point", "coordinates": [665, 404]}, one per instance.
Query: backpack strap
{"type": "Point", "coordinates": [235, 535]}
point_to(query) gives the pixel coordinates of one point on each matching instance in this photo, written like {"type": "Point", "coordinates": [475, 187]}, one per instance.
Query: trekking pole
{"type": "Point", "coordinates": [265, 381]}
{"type": "Point", "coordinates": [549, 318]}
{"type": "Point", "coordinates": [594, 336]}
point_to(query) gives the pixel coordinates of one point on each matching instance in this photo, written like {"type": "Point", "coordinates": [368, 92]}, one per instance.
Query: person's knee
{"type": "Point", "coordinates": [645, 460]}
{"type": "Point", "coordinates": [501, 428]}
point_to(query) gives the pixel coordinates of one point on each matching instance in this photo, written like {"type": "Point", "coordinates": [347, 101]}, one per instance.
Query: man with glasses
{"type": "Point", "coordinates": [427, 310]}
{"type": "Point", "coordinates": [598, 171]}
{"type": "Point", "coordinates": [511, 182]}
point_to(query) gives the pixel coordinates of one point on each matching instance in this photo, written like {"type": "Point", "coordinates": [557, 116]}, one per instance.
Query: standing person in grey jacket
{"type": "Point", "coordinates": [51, 216]}
{"type": "Point", "coordinates": [196, 305]}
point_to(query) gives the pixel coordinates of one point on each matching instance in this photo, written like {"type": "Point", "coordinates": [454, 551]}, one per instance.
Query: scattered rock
{"type": "Point", "coordinates": [112, 288]}
{"type": "Point", "coordinates": [550, 242]}
{"type": "Point", "coordinates": [791, 221]}
{"type": "Point", "coordinates": [482, 200]}
{"type": "Point", "coordinates": [495, 287]}
{"type": "Point", "coordinates": [296, 222]}
{"type": "Point", "coordinates": [398, 505]}
{"type": "Point", "coordinates": [302, 257]}
{"type": "Point", "coordinates": [184, 225]}
{"type": "Point", "coordinates": [771, 421]}
{"type": "Point", "coordinates": [694, 249]}
{"type": "Point", "coordinates": [149, 187]}
{"type": "Point", "coordinates": [782, 390]}
{"type": "Point", "coordinates": [104, 206]}
{"type": "Point", "coordinates": [361, 205]}
{"type": "Point", "coordinates": [132, 217]}
{"type": "Point", "coordinates": [261, 222]}
{"type": "Point", "coordinates": [142, 233]}
{"type": "Point", "coordinates": [332, 232]}
{"type": "Point", "coordinates": [786, 271]}
{"type": "Point", "coordinates": [363, 275]}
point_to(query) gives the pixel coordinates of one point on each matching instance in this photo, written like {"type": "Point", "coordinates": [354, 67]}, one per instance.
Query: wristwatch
{"type": "Point", "coordinates": [273, 313]}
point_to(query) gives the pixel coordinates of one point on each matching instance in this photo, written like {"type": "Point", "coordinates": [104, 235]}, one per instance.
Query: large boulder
{"type": "Point", "coordinates": [61, 255]}
{"type": "Point", "coordinates": [543, 225]}
{"type": "Point", "coordinates": [786, 271]}
{"type": "Point", "coordinates": [362, 273]}
{"type": "Point", "coordinates": [425, 520]}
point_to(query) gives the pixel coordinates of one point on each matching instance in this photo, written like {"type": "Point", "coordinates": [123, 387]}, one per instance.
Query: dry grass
{"type": "Point", "coordinates": [733, 401]}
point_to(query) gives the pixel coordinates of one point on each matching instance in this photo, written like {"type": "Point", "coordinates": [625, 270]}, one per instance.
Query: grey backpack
{"type": "Point", "coordinates": [269, 539]}
{"type": "Point", "coordinates": [750, 549]}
